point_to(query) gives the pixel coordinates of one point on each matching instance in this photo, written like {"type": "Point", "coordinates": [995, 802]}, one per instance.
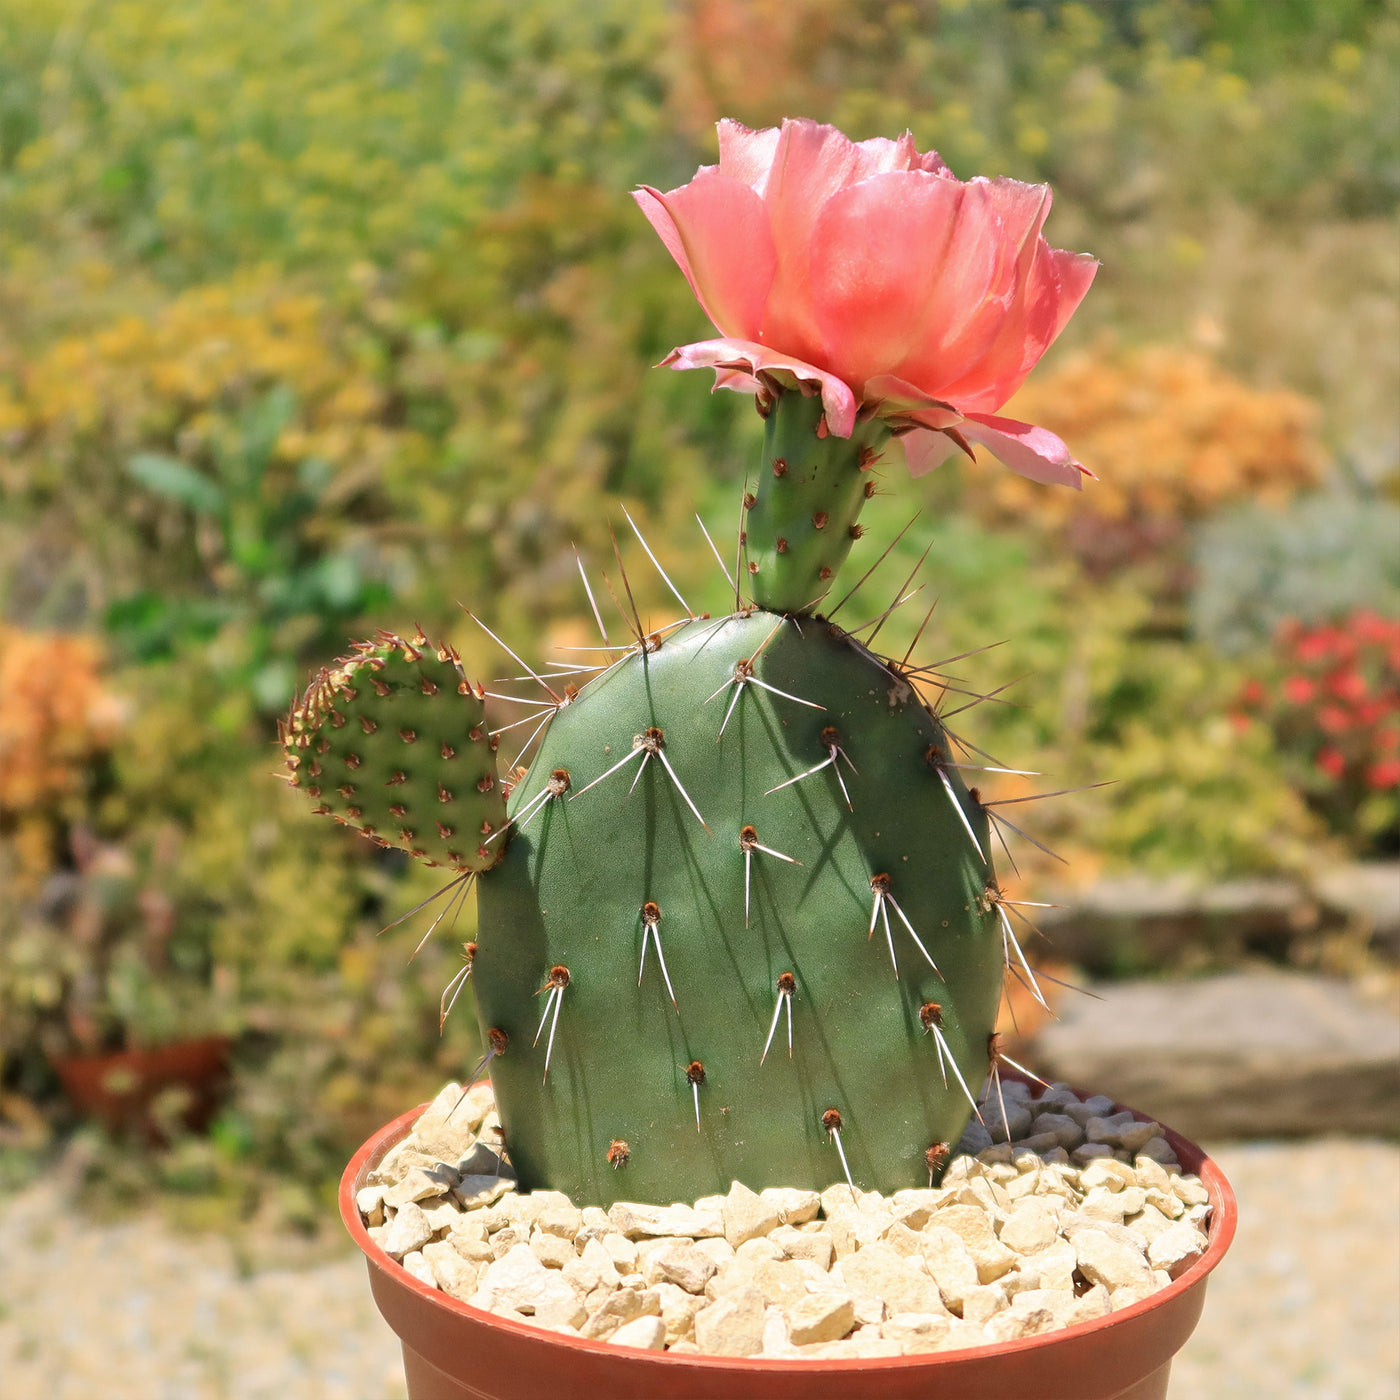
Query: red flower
{"type": "Point", "coordinates": [1331, 762]}
{"type": "Point", "coordinates": [1332, 719]}
{"type": "Point", "coordinates": [1385, 774]}
{"type": "Point", "coordinates": [1298, 690]}
{"type": "Point", "coordinates": [1253, 693]}
{"type": "Point", "coordinates": [1347, 685]}
{"type": "Point", "coordinates": [867, 271]}
{"type": "Point", "coordinates": [1317, 645]}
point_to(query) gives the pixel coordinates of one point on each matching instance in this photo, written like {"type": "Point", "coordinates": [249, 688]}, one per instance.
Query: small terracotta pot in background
{"type": "Point", "coordinates": [119, 1088]}
{"type": "Point", "coordinates": [455, 1352]}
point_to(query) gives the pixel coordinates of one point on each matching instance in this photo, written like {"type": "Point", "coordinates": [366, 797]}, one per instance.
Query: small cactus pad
{"type": "Point", "coordinates": [779, 870]}
{"type": "Point", "coordinates": [393, 742]}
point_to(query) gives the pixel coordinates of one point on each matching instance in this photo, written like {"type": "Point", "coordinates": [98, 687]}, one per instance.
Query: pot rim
{"type": "Point", "coordinates": [1223, 1219]}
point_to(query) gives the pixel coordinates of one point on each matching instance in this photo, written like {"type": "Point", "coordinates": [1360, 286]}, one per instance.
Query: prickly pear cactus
{"type": "Point", "coordinates": [742, 919]}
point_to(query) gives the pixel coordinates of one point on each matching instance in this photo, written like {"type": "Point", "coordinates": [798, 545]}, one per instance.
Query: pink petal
{"type": "Point", "coordinates": [1002, 222]}
{"type": "Point", "coordinates": [929, 160]}
{"type": "Point", "coordinates": [1030, 451]}
{"type": "Point", "coordinates": [895, 397]}
{"type": "Point", "coordinates": [1022, 210]}
{"type": "Point", "coordinates": [1054, 287]}
{"type": "Point", "coordinates": [746, 155]}
{"type": "Point", "coordinates": [1075, 273]}
{"type": "Point", "coordinates": [717, 230]}
{"type": "Point", "coordinates": [924, 451]}
{"type": "Point", "coordinates": [749, 357]}
{"type": "Point", "coordinates": [899, 261]}
{"type": "Point", "coordinates": [810, 164]}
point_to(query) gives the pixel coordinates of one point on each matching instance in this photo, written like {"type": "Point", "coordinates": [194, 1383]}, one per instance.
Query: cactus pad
{"type": "Point", "coordinates": [393, 742]}
{"type": "Point", "coordinates": [742, 897]}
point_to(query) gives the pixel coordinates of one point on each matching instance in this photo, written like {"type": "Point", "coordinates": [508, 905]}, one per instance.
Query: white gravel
{"type": "Point", "coordinates": [1305, 1307]}
{"type": "Point", "coordinates": [1007, 1246]}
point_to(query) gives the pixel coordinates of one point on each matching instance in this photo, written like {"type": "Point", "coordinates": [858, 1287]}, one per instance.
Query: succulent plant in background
{"type": "Point", "coordinates": [739, 917]}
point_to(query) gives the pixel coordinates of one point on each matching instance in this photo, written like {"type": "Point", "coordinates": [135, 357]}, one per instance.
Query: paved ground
{"type": "Point", "coordinates": [1306, 1307]}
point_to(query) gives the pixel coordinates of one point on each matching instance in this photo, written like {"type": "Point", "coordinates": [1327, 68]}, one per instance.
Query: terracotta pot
{"type": "Point", "coordinates": [120, 1087]}
{"type": "Point", "coordinates": [455, 1352]}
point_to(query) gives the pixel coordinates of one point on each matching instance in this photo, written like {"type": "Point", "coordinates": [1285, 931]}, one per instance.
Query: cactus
{"type": "Point", "coordinates": [742, 920]}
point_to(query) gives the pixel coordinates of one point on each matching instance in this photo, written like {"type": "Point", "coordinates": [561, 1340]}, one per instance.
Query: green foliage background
{"type": "Point", "coordinates": [320, 314]}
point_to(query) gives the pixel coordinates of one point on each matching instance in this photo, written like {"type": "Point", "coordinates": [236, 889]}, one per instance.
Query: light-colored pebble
{"type": "Point", "coordinates": [732, 1325]}
{"type": "Point", "coordinates": [1059, 1126]}
{"type": "Point", "coordinates": [904, 1287]}
{"type": "Point", "coordinates": [409, 1230]}
{"type": "Point", "coordinates": [949, 1264]}
{"type": "Point", "coordinates": [982, 1303]}
{"type": "Point", "coordinates": [1110, 1262]}
{"type": "Point", "coordinates": [451, 1272]}
{"type": "Point", "coordinates": [1033, 1225]}
{"type": "Point", "coordinates": [760, 1247]}
{"type": "Point", "coordinates": [974, 1226]}
{"type": "Point", "coordinates": [794, 1206]}
{"type": "Point", "coordinates": [678, 1309]}
{"type": "Point", "coordinates": [802, 1244]}
{"type": "Point", "coordinates": [681, 1264]}
{"type": "Point", "coordinates": [419, 1267]}
{"type": "Point", "coordinates": [1015, 1323]}
{"type": "Point", "coordinates": [1176, 1248]}
{"type": "Point", "coordinates": [821, 1317]}
{"type": "Point", "coordinates": [1056, 1266]}
{"type": "Point", "coordinates": [420, 1183]}
{"type": "Point", "coordinates": [370, 1202]}
{"type": "Point", "coordinates": [637, 1220]}
{"type": "Point", "coordinates": [617, 1309]}
{"type": "Point", "coordinates": [621, 1251]}
{"type": "Point", "coordinates": [1089, 1152]}
{"type": "Point", "coordinates": [647, 1332]}
{"type": "Point", "coordinates": [916, 1332]}
{"type": "Point", "coordinates": [716, 1248]}
{"type": "Point", "coordinates": [552, 1251]}
{"type": "Point", "coordinates": [746, 1215]}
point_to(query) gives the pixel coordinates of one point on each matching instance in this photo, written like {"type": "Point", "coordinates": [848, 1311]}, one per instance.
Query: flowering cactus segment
{"type": "Point", "coordinates": [743, 921]}
{"type": "Point", "coordinates": [393, 742]}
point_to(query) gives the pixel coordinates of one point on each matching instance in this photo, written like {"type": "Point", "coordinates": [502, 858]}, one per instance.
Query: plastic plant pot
{"type": "Point", "coordinates": [456, 1352]}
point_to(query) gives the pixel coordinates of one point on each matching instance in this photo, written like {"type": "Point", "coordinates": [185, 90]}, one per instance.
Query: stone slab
{"type": "Point", "coordinates": [1138, 923]}
{"type": "Point", "coordinates": [1250, 1054]}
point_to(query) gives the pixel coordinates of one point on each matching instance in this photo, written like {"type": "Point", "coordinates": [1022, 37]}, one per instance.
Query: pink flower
{"type": "Point", "coordinates": [865, 270]}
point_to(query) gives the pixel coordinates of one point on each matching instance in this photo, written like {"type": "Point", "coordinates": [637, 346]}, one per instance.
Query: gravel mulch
{"type": "Point", "coordinates": [1305, 1307]}
{"type": "Point", "coordinates": [1067, 1211]}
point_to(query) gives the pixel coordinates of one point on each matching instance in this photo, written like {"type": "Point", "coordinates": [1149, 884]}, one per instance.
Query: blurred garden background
{"type": "Point", "coordinates": [319, 315]}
